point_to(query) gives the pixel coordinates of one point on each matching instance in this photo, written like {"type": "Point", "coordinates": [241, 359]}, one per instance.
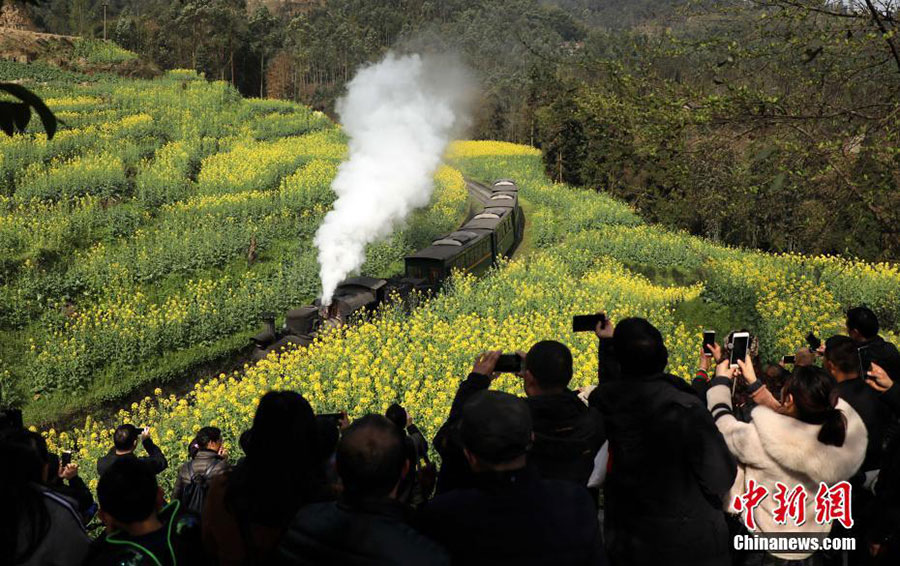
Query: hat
{"type": "Point", "coordinates": [496, 426]}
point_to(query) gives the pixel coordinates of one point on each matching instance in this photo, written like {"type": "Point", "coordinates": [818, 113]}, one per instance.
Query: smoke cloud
{"type": "Point", "coordinates": [399, 114]}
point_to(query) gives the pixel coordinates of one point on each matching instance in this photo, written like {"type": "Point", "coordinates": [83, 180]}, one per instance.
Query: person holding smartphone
{"type": "Point", "coordinates": [812, 437]}
{"type": "Point", "coordinates": [125, 442]}
{"type": "Point", "coordinates": [883, 534]}
{"type": "Point", "coordinates": [669, 467]}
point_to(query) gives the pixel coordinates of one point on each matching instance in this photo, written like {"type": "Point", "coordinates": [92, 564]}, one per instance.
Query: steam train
{"type": "Point", "coordinates": [494, 232]}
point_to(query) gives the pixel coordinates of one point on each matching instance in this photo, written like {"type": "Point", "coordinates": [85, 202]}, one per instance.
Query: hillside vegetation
{"type": "Point", "coordinates": [587, 252]}
{"type": "Point", "coordinates": [146, 238]}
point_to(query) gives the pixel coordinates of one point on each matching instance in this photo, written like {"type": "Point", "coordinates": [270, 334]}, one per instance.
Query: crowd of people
{"type": "Point", "coordinates": [643, 468]}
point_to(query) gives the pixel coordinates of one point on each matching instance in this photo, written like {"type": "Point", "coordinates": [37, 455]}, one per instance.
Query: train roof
{"type": "Point", "coordinates": [450, 245]}
{"type": "Point", "coordinates": [482, 223]}
{"type": "Point", "coordinates": [505, 184]}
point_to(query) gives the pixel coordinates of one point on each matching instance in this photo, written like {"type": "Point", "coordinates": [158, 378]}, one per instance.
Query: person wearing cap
{"type": "Point", "coordinates": [669, 467]}
{"type": "Point", "coordinates": [510, 515]}
{"type": "Point", "coordinates": [125, 442]}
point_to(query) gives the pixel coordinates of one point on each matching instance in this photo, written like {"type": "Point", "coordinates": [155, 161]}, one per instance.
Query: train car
{"type": "Point", "coordinates": [493, 233]}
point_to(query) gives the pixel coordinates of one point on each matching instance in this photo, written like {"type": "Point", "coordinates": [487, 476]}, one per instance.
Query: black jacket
{"type": "Point", "coordinates": [567, 436]}
{"type": "Point", "coordinates": [516, 519]}
{"type": "Point", "coordinates": [875, 414]}
{"type": "Point", "coordinates": [180, 535]}
{"type": "Point", "coordinates": [373, 532]}
{"type": "Point", "coordinates": [669, 470]}
{"type": "Point", "coordinates": [154, 458]}
{"type": "Point", "coordinates": [885, 355]}
{"type": "Point", "coordinates": [885, 518]}
{"type": "Point", "coordinates": [203, 461]}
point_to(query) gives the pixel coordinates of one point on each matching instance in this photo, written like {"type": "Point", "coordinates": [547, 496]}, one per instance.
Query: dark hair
{"type": "Point", "coordinates": [843, 353]}
{"type": "Point", "coordinates": [639, 348]}
{"type": "Point", "coordinates": [328, 433]}
{"type": "Point", "coordinates": [128, 490]}
{"type": "Point", "coordinates": [397, 415]}
{"type": "Point", "coordinates": [370, 457]}
{"type": "Point", "coordinates": [125, 437]}
{"type": "Point", "coordinates": [202, 439]}
{"type": "Point", "coordinates": [550, 363]}
{"type": "Point", "coordinates": [863, 320]}
{"type": "Point", "coordinates": [281, 470]}
{"type": "Point", "coordinates": [25, 520]}
{"type": "Point", "coordinates": [815, 398]}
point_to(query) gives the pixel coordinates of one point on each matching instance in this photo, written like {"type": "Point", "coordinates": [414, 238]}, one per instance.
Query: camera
{"type": "Point", "coordinates": [587, 322]}
{"type": "Point", "coordinates": [510, 363]}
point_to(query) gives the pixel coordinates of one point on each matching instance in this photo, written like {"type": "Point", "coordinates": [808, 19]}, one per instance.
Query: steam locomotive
{"type": "Point", "coordinates": [474, 247]}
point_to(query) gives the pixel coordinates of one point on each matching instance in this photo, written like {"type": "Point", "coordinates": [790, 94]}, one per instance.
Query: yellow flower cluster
{"type": "Point", "coordinates": [467, 149]}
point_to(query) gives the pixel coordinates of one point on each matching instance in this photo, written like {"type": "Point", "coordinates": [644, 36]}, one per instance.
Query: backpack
{"type": "Point", "coordinates": [194, 494]}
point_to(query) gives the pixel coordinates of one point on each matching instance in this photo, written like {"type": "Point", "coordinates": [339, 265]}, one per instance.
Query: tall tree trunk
{"type": "Point", "coordinates": [262, 74]}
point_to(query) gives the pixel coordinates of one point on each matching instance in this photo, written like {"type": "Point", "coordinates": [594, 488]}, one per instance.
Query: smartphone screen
{"type": "Point", "coordinates": [510, 363]}
{"type": "Point", "coordinates": [709, 338]}
{"type": "Point", "coordinates": [586, 322]}
{"type": "Point", "coordinates": [65, 458]}
{"type": "Point", "coordinates": [813, 341]}
{"type": "Point", "coordinates": [865, 362]}
{"type": "Point", "coordinates": [789, 360]}
{"type": "Point", "coordinates": [740, 341]}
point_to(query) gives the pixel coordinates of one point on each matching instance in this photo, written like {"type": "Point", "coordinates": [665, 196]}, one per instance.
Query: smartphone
{"type": "Point", "coordinates": [587, 322]}
{"type": "Point", "coordinates": [510, 363]}
{"type": "Point", "coordinates": [739, 344]}
{"type": "Point", "coordinates": [813, 341]}
{"type": "Point", "coordinates": [65, 458]}
{"type": "Point", "coordinates": [709, 338]}
{"type": "Point", "coordinates": [865, 362]}
{"type": "Point", "coordinates": [789, 360]}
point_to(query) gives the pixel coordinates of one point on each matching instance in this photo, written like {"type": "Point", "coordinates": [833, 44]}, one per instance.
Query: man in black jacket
{"type": "Point", "coordinates": [884, 522]}
{"type": "Point", "coordinates": [669, 466]}
{"type": "Point", "coordinates": [367, 526]}
{"type": "Point", "coordinates": [863, 327]}
{"type": "Point", "coordinates": [511, 516]}
{"type": "Point", "coordinates": [125, 441]}
{"type": "Point", "coordinates": [842, 363]}
{"type": "Point", "coordinates": [137, 532]}
{"type": "Point", "coordinates": [567, 433]}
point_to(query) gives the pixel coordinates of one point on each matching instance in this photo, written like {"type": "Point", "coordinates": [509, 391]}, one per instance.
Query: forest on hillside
{"type": "Point", "coordinates": [772, 124]}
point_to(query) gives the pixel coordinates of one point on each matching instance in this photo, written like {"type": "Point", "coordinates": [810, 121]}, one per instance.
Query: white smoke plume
{"type": "Point", "coordinates": [399, 114]}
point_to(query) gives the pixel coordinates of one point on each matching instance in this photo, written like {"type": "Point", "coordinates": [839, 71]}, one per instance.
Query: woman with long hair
{"type": "Point", "coordinates": [248, 508]}
{"type": "Point", "coordinates": [37, 526]}
{"type": "Point", "coordinates": [812, 437]}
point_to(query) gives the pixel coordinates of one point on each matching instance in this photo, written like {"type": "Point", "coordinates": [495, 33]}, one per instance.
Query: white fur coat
{"type": "Point", "coordinates": [778, 448]}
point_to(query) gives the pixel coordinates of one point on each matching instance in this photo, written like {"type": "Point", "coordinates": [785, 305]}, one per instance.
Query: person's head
{"type": "Point", "coordinates": [371, 458]}
{"type": "Point", "coordinates": [639, 348]}
{"type": "Point", "coordinates": [496, 431]}
{"type": "Point", "coordinates": [841, 358]}
{"type": "Point", "coordinates": [25, 522]}
{"type": "Point", "coordinates": [397, 415]}
{"type": "Point", "coordinates": [810, 395]}
{"type": "Point", "coordinates": [774, 379]}
{"type": "Point", "coordinates": [125, 439]}
{"type": "Point", "coordinates": [127, 493]}
{"type": "Point", "coordinates": [282, 467]}
{"type": "Point", "coordinates": [207, 438]}
{"type": "Point", "coordinates": [862, 324]}
{"type": "Point", "coordinates": [548, 368]}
